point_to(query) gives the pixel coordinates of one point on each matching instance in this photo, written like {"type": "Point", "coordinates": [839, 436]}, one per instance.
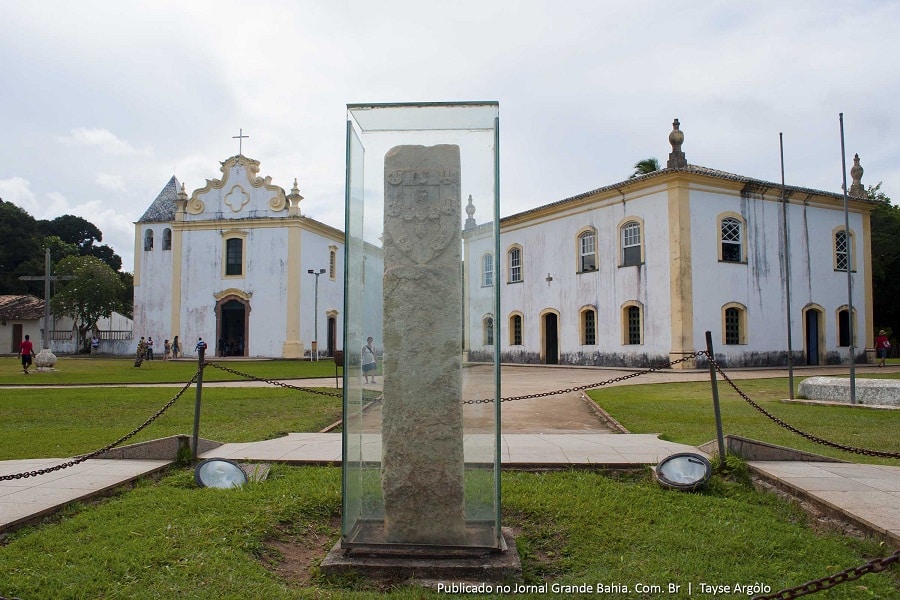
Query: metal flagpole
{"type": "Point", "coordinates": [787, 272]}
{"type": "Point", "coordinates": [849, 269]}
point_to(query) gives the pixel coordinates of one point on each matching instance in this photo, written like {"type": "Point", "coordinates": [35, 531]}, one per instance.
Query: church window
{"type": "Point", "coordinates": [332, 262]}
{"type": "Point", "coordinates": [843, 246]}
{"type": "Point", "coordinates": [632, 317]}
{"type": "Point", "coordinates": [167, 239]}
{"type": "Point", "coordinates": [732, 240]}
{"type": "Point", "coordinates": [589, 327]}
{"type": "Point", "coordinates": [488, 325]}
{"type": "Point", "coordinates": [487, 270]}
{"type": "Point", "coordinates": [234, 256]}
{"type": "Point", "coordinates": [515, 330]}
{"type": "Point", "coordinates": [734, 317]}
{"type": "Point", "coordinates": [587, 251]}
{"type": "Point", "coordinates": [631, 244]}
{"type": "Point", "coordinates": [515, 264]}
{"type": "Point", "coordinates": [148, 240]}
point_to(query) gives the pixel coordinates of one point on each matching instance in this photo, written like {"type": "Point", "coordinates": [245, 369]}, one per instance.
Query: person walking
{"type": "Point", "coordinates": [368, 360]}
{"type": "Point", "coordinates": [26, 352]}
{"type": "Point", "coordinates": [176, 347]}
{"type": "Point", "coordinates": [882, 344]}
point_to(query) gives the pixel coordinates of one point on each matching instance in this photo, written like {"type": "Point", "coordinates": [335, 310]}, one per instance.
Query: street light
{"type": "Point", "coordinates": [315, 344]}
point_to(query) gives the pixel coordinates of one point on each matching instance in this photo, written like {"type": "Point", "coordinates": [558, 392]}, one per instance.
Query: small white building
{"type": "Point", "coordinates": [20, 315]}
{"type": "Point", "coordinates": [235, 263]}
{"type": "Point", "coordinates": [114, 332]}
{"type": "Point", "coordinates": [635, 273]}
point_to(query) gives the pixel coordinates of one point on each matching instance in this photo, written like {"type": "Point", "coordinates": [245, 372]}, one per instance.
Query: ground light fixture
{"type": "Point", "coordinates": [683, 471]}
{"type": "Point", "coordinates": [219, 473]}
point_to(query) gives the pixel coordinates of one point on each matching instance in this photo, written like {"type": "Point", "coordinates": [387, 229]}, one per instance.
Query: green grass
{"type": "Point", "coordinates": [171, 539]}
{"type": "Point", "coordinates": [683, 412]}
{"type": "Point", "coordinates": [65, 422]}
{"type": "Point", "coordinates": [88, 370]}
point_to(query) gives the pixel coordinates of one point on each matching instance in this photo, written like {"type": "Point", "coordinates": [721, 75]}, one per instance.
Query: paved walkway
{"type": "Point", "coordinates": [537, 434]}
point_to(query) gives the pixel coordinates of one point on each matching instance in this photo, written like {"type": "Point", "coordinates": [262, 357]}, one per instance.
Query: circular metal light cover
{"type": "Point", "coordinates": [219, 473]}
{"type": "Point", "coordinates": [683, 471]}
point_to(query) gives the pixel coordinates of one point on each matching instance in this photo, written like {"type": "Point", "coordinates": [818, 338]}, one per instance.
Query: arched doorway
{"type": "Point", "coordinates": [232, 321]}
{"type": "Point", "coordinates": [550, 327]}
{"type": "Point", "coordinates": [813, 335]}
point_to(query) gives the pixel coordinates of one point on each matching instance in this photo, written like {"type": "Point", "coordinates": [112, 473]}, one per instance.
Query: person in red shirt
{"type": "Point", "coordinates": [26, 351]}
{"type": "Point", "coordinates": [881, 347]}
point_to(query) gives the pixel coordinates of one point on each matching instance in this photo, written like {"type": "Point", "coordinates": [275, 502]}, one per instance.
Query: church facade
{"type": "Point", "coordinates": [239, 265]}
{"type": "Point", "coordinates": [635, 273]}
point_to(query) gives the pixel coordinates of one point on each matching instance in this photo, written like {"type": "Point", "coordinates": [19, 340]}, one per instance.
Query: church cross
{"type": "Point", "coordinates": [240, 138]}
{"type": "Point", "coordinates": [46, 278]}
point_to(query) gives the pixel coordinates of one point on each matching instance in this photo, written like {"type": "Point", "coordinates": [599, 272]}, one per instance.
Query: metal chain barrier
{"type": "Point", "coordinates": [108, 447]}
{"type": "Point", "coordinates": [589, 386]}
{"type": "Point", "coordinates": [809, 436]}
{"type": "Point", "coordinates": [272, 381]}
{"type": "Point", "coordinates": [876, 565]}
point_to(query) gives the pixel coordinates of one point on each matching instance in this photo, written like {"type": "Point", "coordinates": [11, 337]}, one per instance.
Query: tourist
{"type": "Point", "coordinates": [368, 360]}
{"type": "Point", "coordinates": [95, 344]}
{"type": "Point", "coordinates": [26, 351]}
{"type": "Point", "coordinates": [881, 347]}
{"type": "Point", "coordinates": [176, 348]}
{"type": "Point", "coordinates": [150, 348]}
{"type": "Point", "coordinates": [167, 350]}
{"type": "Point", "coordinates": [201, 346]}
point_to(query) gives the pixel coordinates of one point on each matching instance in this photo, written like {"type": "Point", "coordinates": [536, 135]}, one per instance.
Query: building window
{"type": "Point", "coordinates": [332, 262]}
{"type": "Point", "coordinates": [732, 240]}
{"type": "Point", "coordinates": [587, 251]}
{"type": "Point", "coordinates": [632, 321]}
{"type": "Point", "coordinates": [732, 326]}
{"type": "Point", "coordinates": [487, 270]}
{"type": "Point", "coordinates": [148, 240]}
{"type": "Point", "coordinates": [234, 256]}
{"type": "Point", "coordinates": [631, 244]}
{"type": "Point", "coordinates": [515, 330]}
{"type": "Point", "coordinates": [589, 327]}
{"type": "Point", "coordinates": [843, 245]}
{"type": "Point", "coordinates": [167, 239]}
{"type": "Point", "coordinates": [844, 328]}
{"type": "Point", "coordinates": [515, 265]}
{"type": "Point", "coordinates": [488, 325]}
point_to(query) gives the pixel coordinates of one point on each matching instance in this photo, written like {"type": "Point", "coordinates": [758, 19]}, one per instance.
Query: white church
{"type": "Point", "coordinates": [239, 265]}
{"type": "Point", "coordinates": [630, 274]}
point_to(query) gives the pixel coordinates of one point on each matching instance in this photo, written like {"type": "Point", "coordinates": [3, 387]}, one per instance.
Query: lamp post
{"type": "Point", "coordinates": [315, 343]}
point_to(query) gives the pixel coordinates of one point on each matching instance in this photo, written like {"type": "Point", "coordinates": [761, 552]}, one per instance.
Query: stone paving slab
{"type": "Point", "coordinates": [868, 494]}
{"type": "Point", "coordinates": [23, 500]}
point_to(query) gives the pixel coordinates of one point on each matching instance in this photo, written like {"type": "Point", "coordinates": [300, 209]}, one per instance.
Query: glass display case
{"type": "Point", "coordinates": [421, 451]}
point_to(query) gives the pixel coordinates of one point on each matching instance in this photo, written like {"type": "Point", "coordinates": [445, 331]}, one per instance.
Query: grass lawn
{"type": "Point", "coordinates": [89, 370]}
{"type": "Point", "coordinates": [683, 412]}
{"type": "Point", "coordinates": [167, 538]}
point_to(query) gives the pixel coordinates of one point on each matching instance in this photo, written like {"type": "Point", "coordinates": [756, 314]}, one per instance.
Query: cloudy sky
{"type": "Point", "coordinates": [102, 102]}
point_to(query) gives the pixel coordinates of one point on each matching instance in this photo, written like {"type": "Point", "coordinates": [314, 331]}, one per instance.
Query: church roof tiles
{"type": "Point", "coordinates": [163, 208]}
{"type": "Point", "coordinates": [21, 308]}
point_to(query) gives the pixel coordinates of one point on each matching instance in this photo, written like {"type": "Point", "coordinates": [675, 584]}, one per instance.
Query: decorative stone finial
{"type": "Point", "coordinates": [677, 159]}
{"type": "Point", "coordinates": [294, 199]}
{"type": "Point", "coordinates": [856, 172]}
{"type": "Point", "coordinates": [470, 210]}
{"type": "Point", "coordinates": [181, 200]}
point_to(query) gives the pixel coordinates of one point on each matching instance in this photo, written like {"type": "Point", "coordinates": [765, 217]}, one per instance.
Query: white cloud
{"type": "Point", "coordinates": [113, 183]}
{"type": "Point", "coordinates": [102, 138]}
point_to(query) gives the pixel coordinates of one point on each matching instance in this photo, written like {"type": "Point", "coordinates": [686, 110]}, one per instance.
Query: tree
{"type": "Point", "coordinates": [95, 292]}
{"type": "Point", "coordinates": [643, 167]}
{"type": "Point", "coordinates": [885, 222]}
{"type": "Point", "coordinates": [73, 230]}
{"type": "Point", "coordinates": [19, 242]}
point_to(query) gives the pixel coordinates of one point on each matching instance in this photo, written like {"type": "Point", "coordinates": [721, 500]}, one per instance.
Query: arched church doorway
{"type": "Point", "coordinates": [232, 320]}
{"type": "Point", "coordinates": [813, 334]}
{"type": "Point", "coordinates": [550, 329]}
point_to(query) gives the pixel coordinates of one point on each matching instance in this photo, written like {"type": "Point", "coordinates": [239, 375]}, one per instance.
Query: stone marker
{"type": "Point", "coordinates": [422, 473]}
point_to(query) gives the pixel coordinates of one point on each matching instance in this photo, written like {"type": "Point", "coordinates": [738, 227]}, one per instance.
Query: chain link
{"type": "Point", "coordinates": [789, 427]}
{"type": "Point", "coordinates": [589, 386]}
{"type": "Point", "coordinates": [272, 381]}
{"type": "Point", "coordinates": [81, 459]}
{"type": "Point", "coordinates": [876, 565]}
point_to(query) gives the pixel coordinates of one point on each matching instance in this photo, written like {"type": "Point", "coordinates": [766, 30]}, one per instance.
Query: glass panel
{"type": "Point", "coordinates": [409, 256]}
{"type": "Point", "coordinates": [233, 256]}
{"type": "Point", "coordinates": [840, 249]}
{"type": "Point", "coordinates": [631, 244]}
{"type": "Point", "coordinates": [588, 252]}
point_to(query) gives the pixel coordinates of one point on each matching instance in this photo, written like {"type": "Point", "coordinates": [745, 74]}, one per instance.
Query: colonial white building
{"type": "Point", "coordinates": [635, 273]}
{"type": "Point", "coordinates": [231, 263]}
